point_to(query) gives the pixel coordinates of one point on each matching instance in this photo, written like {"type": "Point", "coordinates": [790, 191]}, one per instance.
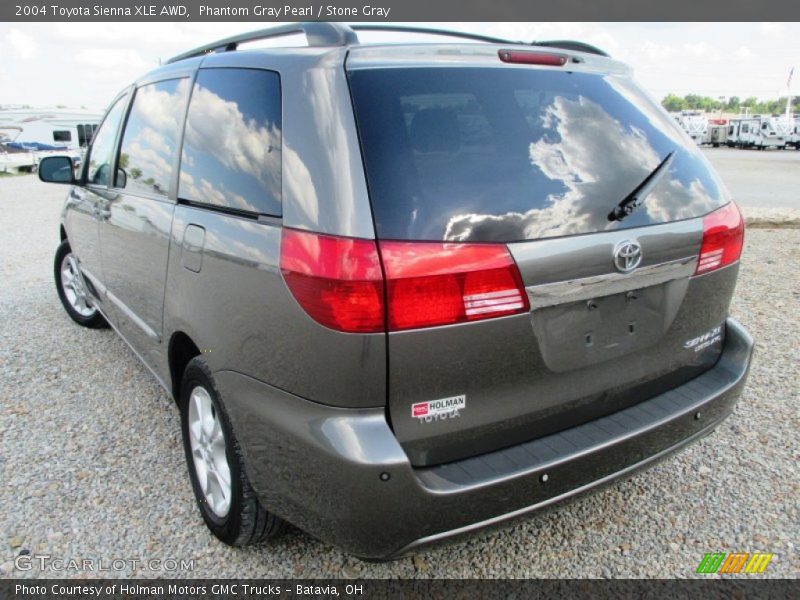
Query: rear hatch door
{"type": "Point", "coordinates": [598, 197]}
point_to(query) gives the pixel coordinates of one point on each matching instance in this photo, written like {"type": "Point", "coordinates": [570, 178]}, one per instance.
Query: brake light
{"type": "Point", "coordinates": [723, 236]}
{"type": "Point", "coordinates": [431, 283]}
{"type": "Point", "coordinates": [526, 57]}
{"type": "Point", "coordinates": [337, 281]}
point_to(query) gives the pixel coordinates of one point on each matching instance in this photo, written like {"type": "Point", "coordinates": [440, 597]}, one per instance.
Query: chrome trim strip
{"type": "Point", "coordinates": [101, 289]}
{"type": "Point", "coordinates": [586, 288]}
{"type": "Point", "coordinates": [133, 317]}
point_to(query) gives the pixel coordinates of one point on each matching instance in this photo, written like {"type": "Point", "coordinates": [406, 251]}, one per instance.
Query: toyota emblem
{"type": "Point", "coordinates": [627, 255]}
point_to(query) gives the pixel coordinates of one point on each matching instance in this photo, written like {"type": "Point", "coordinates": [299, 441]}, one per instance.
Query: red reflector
{"type": "Point", "coordinates": [431, 283]}
{"type": "Point", "coordinates": [723, 236]}
{"type": "Point", "coordinates": [337, 281]}
{"type": "Point", "coordinates": [532, 58]}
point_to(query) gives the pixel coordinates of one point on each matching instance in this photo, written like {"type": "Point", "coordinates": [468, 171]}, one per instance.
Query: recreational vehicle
{"type": "Point", "coordinates": [695, 124]}
{"type": "Point", "coordinates": [717, 132]}
{"type": "Point", "coordinates": [18, 154]}
{"type": "Point", "coordinates": [795, 138]}
{"type": "Point", "coordinates": [64, 128]}
{"type": "Point", "coordinates": [763, 132]}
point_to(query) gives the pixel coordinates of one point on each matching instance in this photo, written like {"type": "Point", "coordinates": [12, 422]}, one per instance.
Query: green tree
{"type": "Point", "coordinates": [673, 103]}
{"type": "Point", "coordinates": [752, 105]}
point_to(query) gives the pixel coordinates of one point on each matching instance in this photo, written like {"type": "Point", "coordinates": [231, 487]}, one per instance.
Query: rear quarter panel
{"type": "Point", "coordinates": [241, 315]}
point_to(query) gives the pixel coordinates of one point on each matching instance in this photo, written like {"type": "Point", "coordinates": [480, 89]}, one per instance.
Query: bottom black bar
{"type": "Point", "coordinates": [253, 589]}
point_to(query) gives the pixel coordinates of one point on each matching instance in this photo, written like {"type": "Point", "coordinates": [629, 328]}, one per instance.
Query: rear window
{"type": "Point", "coordinates": [511, 154]}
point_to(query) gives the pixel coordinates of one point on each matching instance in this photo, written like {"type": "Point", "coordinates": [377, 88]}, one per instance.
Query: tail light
{"type": "Point", "coordinates": [723, 236]}
{"type": "Point", "coordinates": [339, 282]}
{"type": "Point", "coordinates": [432, 284]}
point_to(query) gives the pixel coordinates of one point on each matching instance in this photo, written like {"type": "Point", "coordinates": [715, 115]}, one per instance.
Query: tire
{"type": "Point", "coordinates": [72, 292]}
{"type": "Point", "coordinates": [243, 521]}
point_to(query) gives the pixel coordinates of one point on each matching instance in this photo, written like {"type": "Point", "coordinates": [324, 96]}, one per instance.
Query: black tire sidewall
{"type": "Point", "coordinates": [94, 321]}
{"type": "Point", "coordinates": [225, 528]}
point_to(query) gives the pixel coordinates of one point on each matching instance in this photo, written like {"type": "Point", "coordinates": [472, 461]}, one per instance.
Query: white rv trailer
{"type": "Point", "coordinates": [796, 134]}
{"type": "Point", "coordinates": [72, 129]}
{"type": "Point", "coordinates": [717, 132]}
{"type": "Point", "coordinates": [762, 132]}
{"type": "Point", "coordinates": [695, 124]}
{"type": "Point", "coordinates": [19, 156]}
{"type": "Point", "coordinates": [734, 128]}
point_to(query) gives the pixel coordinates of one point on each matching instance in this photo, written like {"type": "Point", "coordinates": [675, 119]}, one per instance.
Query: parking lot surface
{"type": "Point", "coordinates": [763, 179]}
{"type": "Point", "coordinates": [92, 465]}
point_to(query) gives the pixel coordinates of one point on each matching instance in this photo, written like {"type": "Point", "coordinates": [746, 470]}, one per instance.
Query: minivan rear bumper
{"type": "Point", "coordinates": [341, 475]}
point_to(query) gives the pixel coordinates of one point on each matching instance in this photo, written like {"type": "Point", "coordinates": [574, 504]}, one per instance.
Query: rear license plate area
{"type": "Point", "coordinates": [582, 333]}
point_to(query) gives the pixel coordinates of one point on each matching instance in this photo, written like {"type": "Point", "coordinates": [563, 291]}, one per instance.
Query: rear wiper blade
{"type": "Point", "coordinates": [633, 200]}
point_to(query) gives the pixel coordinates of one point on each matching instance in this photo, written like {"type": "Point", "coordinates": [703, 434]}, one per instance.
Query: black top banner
{"type": "Point", "coordinates": [398, 10]}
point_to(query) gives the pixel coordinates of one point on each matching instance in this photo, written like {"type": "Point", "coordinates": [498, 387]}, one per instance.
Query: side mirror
{"type": "Point", "coordinates": [56, 169]}
{"type": "Point", "coordinates": [122, 178]}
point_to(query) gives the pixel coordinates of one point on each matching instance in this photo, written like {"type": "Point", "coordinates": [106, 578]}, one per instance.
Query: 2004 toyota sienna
{"type": "Point", "coordinates": [404, 291]}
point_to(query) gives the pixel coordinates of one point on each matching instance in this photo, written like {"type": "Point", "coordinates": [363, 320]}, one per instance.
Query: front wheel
{"type": "Point", "coordinates": [72, 290]}
{"type": "Point", "coordinates": [226, 499]}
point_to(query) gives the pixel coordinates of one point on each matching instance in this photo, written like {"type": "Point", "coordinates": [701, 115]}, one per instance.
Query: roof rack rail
{"type": "Point", "coordinates": [572, 45]}
{"type": "Point", "coordinates": [426, 30]}
{"type": "Point", "coordinates": [319, 33]}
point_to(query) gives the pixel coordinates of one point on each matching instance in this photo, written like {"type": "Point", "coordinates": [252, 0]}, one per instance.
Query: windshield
{"type": "Point", "coordinates": [509, 154]}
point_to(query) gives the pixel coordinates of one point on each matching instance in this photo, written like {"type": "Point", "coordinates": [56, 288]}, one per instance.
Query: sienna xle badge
{"type": "Point", "coordinates": [403, 291]}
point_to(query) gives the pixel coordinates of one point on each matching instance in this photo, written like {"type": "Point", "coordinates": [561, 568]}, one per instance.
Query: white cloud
{"type": "Point", "coordinates": [772, 29]}
{"type": "Point", "coordinates": [88, 63]}
{"type": "Point", "coordinates": [22, 45]}
{"type": "Point", "coordinates": [656, 51]}
{"type": "Point", "coordinates": [111, 58]}
{"type": "Point", "coordinates": [701, 49]}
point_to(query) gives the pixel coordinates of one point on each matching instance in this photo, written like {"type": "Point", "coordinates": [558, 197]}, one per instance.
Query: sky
{"type": "Point", "coordinates": [86, 64]}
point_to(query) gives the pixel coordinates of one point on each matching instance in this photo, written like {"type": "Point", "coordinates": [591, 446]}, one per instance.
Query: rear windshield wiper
{"type": "Point", "coordinates": [633, 200]}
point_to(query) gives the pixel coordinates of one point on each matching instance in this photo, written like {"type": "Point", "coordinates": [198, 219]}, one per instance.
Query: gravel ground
{"type": "Point", "coordinates": [91, 462]}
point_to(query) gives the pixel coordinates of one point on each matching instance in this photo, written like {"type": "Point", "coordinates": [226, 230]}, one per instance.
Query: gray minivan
{"type": "Point", "coordinates": [400, 292]}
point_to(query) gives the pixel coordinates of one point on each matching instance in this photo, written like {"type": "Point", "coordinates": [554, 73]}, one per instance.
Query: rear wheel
{"type": "Point", "coordinates": [222, 490]}
{"type": "Point", "coordinates": [72, 290]}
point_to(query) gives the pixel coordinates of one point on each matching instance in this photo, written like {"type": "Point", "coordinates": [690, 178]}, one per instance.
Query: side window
{"type": "Point", "coordinates": [151, 137]}
{"type": "Point", "coordinates": [232, 145]}
{"type": "Point", "coordinates": [62, 136]}
{"type": "Point", "coordinates": [99, 165]}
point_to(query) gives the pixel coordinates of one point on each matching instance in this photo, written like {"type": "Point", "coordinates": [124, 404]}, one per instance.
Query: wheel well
{"type": "Point", "coordinates": [63, 233]}
{"type": "Point", "coordinates": [181, 350]}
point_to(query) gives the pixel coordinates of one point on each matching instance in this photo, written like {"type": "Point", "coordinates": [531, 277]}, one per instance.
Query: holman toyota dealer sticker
{"type": "Point", "coordinates": [443, 408]}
